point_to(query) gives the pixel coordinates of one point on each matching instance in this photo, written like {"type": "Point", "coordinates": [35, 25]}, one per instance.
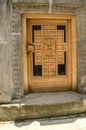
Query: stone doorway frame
{"type": "Point", "coordinates": [72, 19]}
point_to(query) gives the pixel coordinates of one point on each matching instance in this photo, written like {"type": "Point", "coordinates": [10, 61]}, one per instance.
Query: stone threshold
{"type": "Point", "coordinates": [44, 105]}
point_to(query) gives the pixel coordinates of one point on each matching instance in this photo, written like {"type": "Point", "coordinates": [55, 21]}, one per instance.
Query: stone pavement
{"type": "Point", "coordinates": [46, 124]}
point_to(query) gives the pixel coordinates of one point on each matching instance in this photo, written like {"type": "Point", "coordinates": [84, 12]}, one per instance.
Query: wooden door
{"type": "Point", "coordinates": [49, 55]}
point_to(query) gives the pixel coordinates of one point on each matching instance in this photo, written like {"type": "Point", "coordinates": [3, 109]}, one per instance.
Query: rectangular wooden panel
{"type": "Point", "coordinates": [49, 51]}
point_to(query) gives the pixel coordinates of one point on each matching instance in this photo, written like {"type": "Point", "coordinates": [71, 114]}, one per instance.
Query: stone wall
{"type": "Point", "coordinates": [16, 53]}
{"type": "Point", "coordinates": [81, 49]}
{"type": "Point", "coordinates": [5, 81]}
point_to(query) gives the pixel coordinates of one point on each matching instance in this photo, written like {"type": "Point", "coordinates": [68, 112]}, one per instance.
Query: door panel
{"type": "Point", "coordinates": [49, 55]}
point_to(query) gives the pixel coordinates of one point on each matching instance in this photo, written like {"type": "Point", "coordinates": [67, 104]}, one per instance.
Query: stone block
{"type": "Point", "coordinates": [4, 73]}
{"type": "Point", "coordinates": [32, 1]}
{"type": "Point", "coordinates": [9, 112]}
{"type": "Point", "coordinates": [75, 2]}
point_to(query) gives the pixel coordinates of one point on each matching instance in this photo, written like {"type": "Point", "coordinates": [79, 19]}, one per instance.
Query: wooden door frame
{"type": "Point", "coordinates": [72, 19]}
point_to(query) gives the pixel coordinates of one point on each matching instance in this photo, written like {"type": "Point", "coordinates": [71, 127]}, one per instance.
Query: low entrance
{"type": "Point", "coordinates": [50, 59]}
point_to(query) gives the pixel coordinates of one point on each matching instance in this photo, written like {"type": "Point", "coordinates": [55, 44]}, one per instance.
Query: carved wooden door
{"type": "Point", "coordinates": [49, 55]}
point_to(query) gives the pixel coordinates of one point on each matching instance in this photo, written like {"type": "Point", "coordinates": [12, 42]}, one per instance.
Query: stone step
{"type": "Point", "coordinates": [43, 105]}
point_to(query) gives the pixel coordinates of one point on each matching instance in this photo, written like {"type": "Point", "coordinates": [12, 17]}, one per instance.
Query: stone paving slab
{"type": "Point", "coordinates": [50, 98]}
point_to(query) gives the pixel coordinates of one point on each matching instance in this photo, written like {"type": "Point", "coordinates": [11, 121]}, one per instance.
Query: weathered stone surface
{"type": "Point", "coordinates": [52, 1]}
{"type": "Point", "coordinates": [5, 89]}
{"type": "Point", "coordinates": [3, 21]}
{"type": "Point", "coordinates": [9, 112]}
{"type": "Point", "coordinates": [81, 49]}
{"type": "Point", "coordinates": [32, 1]}
{"type": "Point", "coordinates": [75, 2]}
{"type": "Point", "coordinates": [63, 9]}
{"type": "Point", "coordinates": [16, 54]}
{"type": "Point", "coordinates": [31, 7]}
{"type": "Point", "coordinates": [56, 97]}
{"type": "Point", "coordinates": [5, 93]}
{"type": "Point", "coordinates": [29, 112]}
{"type": "Point", "coordinates": [20, 110]}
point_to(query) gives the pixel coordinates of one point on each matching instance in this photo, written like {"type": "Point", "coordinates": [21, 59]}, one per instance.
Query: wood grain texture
{"type": "Point", "coordinates": [50, 55]}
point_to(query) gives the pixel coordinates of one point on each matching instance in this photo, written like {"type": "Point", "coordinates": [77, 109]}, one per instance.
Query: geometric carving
{"type": "Point", "coordinates": [46, 73]}
{"type": "Point", "coordinates": [60, 33]}
{"type": "Point", "coordinates": [53, 41]}
{"type": "Point", "coordinates": [46, 67]}
{"type": "Point", "coordinates": [38, 40]}
{"type": "Point", "coordinates": [59, 47]}
{"type": "Point", "coordinates": [46, 27]}
{"type": "Point", "coordinates": [49, 50]}
{"type": "Point", "coordinates": [38, 47]}
{"type": "Point", "coordinates": [60, 57]}
{"type": "Point", "coordinates": [46, 41]}
{"type": "Point", "coordinates": [60, 60]}
{"type": "Point", "coordinates": [38, 53]}
{"type": "Point", "coordinates": [38, 61]}
{"type": "Point", "coordinates": [53, 33]}
{"type": "Point", "coordinates": [38, 33]}
{"type": "Point", "coordinates": [60, 40]}
{"type": "Point", "coordinates": [52, 67]}
{"type": "Point", "coordinates": [53, 27]}
{"type": "Point", "coordinates": [52, 73]}
{"type": "Point", "coordinates": [60, 36]}
{"type": "Point", "coordinates": [52, 60]}
{"type": "Point", "coordinates": [46, 33]}
{"type": "Point", "coordinates": [45, 60]}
